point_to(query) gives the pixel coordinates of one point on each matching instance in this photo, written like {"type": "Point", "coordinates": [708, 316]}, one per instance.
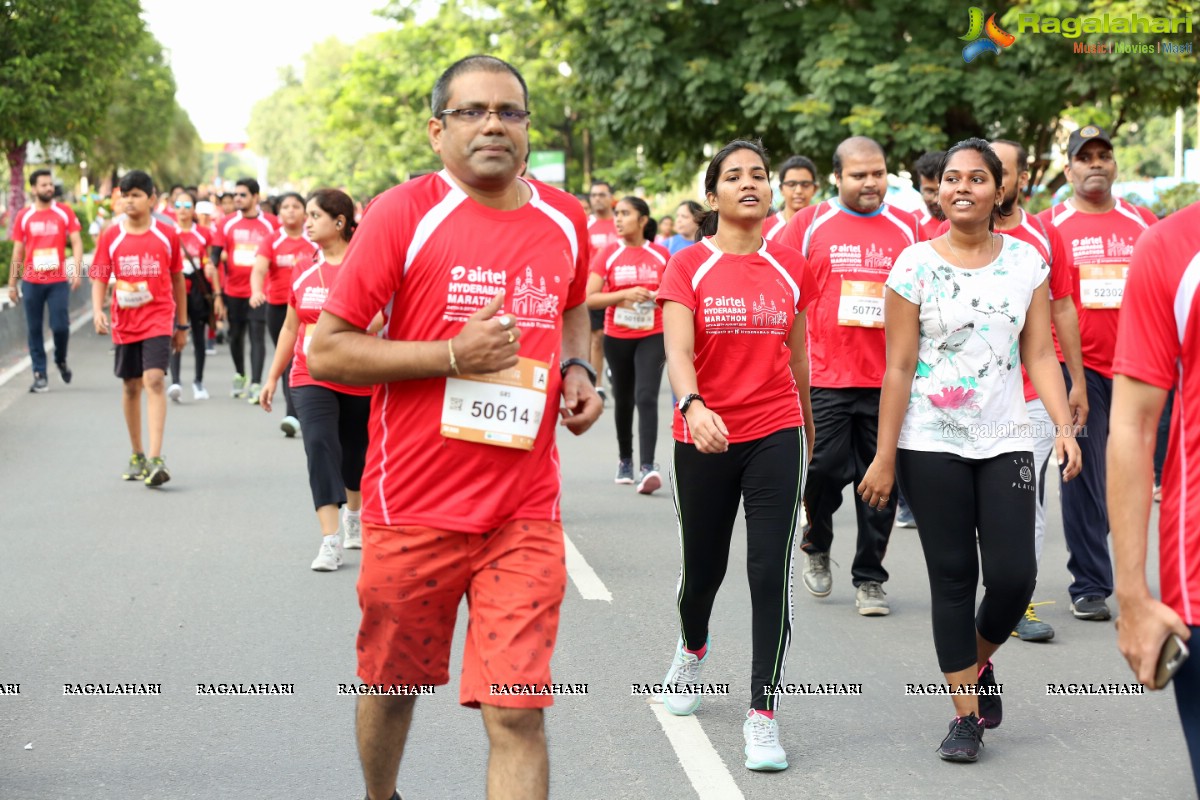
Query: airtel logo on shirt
{"type": "Point", "coordinates": [496, 277]}
{"type": "Point", "coordinates": [724, 302]}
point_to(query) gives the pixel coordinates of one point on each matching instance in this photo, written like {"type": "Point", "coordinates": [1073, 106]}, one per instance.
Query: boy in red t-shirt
{"type": "Point", "coordinates": [149, 316]}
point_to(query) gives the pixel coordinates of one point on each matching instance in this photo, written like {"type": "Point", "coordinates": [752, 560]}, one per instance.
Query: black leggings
{"type": "Point", "coordinates": [276, 315]}
{"type": "Point", "coordinates": [766, 474]}
{"type": "Point", "coordinates": [952, 498]}
{"type": "Point", "coordinates": [258, 342]}
{"type": "Point", "coordinates": [637, 366]}
{"type": "Point", "coordinates": [334, 428]}
{"type": "Point", "coordinates": [237, 313]}
{"type": "Point", "coordinates": [198, 312]}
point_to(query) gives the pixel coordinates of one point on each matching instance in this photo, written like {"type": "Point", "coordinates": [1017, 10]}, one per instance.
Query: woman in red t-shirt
{"type": "Point", "coordinates": [194, 240]}
{"type": "Point", "coordinates": [271, 281]}
{"type": "Point", "coordinates": [624, 280]}
{"type": "Point", "coordinates": [734, 325]}
{"type": "Point", "coordinates": [333, 417]}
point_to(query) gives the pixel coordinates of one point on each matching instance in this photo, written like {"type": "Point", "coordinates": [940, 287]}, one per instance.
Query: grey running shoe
{"type": "Point", "coordinates": [1032, 629]}
{"type": "Point", "coordinates": [136, 469]}
{"type": "Point", "coordinates": [624, 472]}
{"type": "Point", "coordinates": [871, 600]}
{"type": "Point", "coordinates": [1091, 607]}
{"type": "Point", "coordinates": [156, 472]}
{"type": "Point", "coordinates": [817, 577]}
{"type": "Point", "coordinates": [40, 384]}
{"type": "Point", "coordinates": [964, 741]}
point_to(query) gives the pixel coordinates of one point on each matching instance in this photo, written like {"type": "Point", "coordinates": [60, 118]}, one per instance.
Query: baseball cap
{"type": "Point", "coordinates": [1087, 133]}
{"type": "Point", "coordinates": [205, 207]}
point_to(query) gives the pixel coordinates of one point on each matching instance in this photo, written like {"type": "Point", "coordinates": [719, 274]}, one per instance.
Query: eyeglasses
{"type": "Point", "coordinates": [509, 116]}
{"type": "Point", "coordinates": [797, 184]}
{"type": "Point", "coordinates": [241, 194]}
{"type": "Point", "coordinates": [182, 204]}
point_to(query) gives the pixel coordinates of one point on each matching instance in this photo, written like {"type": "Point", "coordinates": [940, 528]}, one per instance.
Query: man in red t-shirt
{"type": "Point", "coordinates": [481, 276]}
{"type": "Point", "coordinates": [238, 237]}
{"type": "Point", "coordinates": [39, 235]}
{"type": "Point", "coordinates": [1100, 232]}
{"type": "Point", "coordinates": [851, 244]}
{"type": "Point", "coordinates": [1011, 220]}
{"type": "Point", "coordinates": [149, 316]}
{"type": "Point", "coordinates": [601, 232]}
{"type": "Point", "coordinates": [928, 169]}
{"type": "Point", "coordinates": [1157, 349]}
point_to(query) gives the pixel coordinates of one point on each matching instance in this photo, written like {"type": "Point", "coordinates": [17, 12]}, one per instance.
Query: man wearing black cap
{"type": "Point", "coordinates": [1099, 231]}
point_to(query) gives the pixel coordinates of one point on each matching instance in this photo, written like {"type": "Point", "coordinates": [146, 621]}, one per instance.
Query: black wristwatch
{"type": "Point", "coordinates": [686, 401]}
{"type": "Point", "coordinates": [579, 362]}
{"type": "Point", "coordinates": [179, 327]}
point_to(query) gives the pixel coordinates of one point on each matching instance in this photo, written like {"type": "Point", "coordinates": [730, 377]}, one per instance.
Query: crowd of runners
{"type": "Point", "coordinates": [941, 363]}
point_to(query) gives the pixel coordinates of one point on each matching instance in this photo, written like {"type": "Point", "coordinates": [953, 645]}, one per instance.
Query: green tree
{"type": "Point", "coordinates": [58, 59]}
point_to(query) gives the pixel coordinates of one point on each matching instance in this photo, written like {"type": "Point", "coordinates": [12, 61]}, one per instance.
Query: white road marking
{"type": "Point", "coordinates": [705, 769]}
{"type": "Point", "coordinates": [26, 362]}
{"type": "Point", "coordinates": [585, 578]}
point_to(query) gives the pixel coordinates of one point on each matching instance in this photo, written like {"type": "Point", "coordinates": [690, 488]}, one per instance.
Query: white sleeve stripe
{"type": "Point", "coordinates": [558, 218]}
{"type": "Point", "coordinates": [657, 255]}
{"type": "Point", "coordinates": [1133, 215]}
{"type": "Point", "coordinates": [157, 231]}
{"type": "Point", "coordinates": [818, 220]}
{"type": "Point", "coordinates": [1058, 219]}
{"type": "Point", "coordinates": [433, 218]}
{"type": "Point", "coordinates": [609, 261]}
{"type": "Point", "coordinates": [1184, 296]}
{"type": "Point", "coordinates": [296, 283]}
{"type": "Point", "coordinates": [779, 268]}
{"type": "Point", "coordinates": [707, 265]}
{"type": "Point", "coordinates": [1036, 234]}
{"type": "Point", "coordinates": [280, 238]}
{"type": "Point", "coordinates": [112, 248]}
{"type": "Point", "coordinates": [908, 232]}
{"type": "Point", "coordinates": [57, 210]}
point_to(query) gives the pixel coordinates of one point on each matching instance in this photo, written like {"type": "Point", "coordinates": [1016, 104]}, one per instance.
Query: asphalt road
{"type": "Point", "coordinates": [208, 581]}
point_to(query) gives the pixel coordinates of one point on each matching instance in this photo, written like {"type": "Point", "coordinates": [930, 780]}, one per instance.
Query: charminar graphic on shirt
{"type": "Point", "coordinates": [969, 357]}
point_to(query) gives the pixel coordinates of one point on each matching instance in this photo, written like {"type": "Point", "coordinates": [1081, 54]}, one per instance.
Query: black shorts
{"type": "Point", "coordinates": [597, 317]}
{"type": "Point", "coordinates": [134, 358]}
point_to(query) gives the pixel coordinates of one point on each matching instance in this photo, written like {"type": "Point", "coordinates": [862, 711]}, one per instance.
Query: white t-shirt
{"type": "Point", "coordinates": [967, 396]}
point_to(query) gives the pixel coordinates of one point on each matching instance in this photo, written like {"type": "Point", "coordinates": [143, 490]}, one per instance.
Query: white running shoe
{"type": "Point", "coordinates": [329, 557]}
{"type": "Point", "coordinates": [763, 751]}
{"type": "Point", "coordinates": [685, 671]}
{"type": "Point", "coordinates": [352, 531]}
{"type": "Point", "coordinates": [175, 392]}
{"type": "Point", "coordinates": [290, 426]}
{"type": "Point", "coordinates": [199, 392]}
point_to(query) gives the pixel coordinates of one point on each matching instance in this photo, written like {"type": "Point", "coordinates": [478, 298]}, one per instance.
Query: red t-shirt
{"type": "Point", "coordinates": [773, 225]}
{"type": "Point", "coordinates": [1100, 246]}
{"type": "Point", "coordinates": [283, 253]}
{"type": "Point", "coordinates": [624, 267]}
{"type": "Point", "coordinates": [600, 233]}
{"type": "Point", "coordinates": [44, 234]}
{"type": "Point", "coordinates": [307, 294]}
{"type": "Point", "coordinates": [930, 227]}
{"type": "Point", "coordinates": [1049, 244]}
{"type": "Point", "coordinates": [744, 307]}
{"type": "Point", "coordinates": [850, 256]}
{"type": "Point", "coordinates": [143, 296]}
{"type": "Point", "coordinates": [429, 257]}
{"type": "Point", "coordinates": [240, 238]}
{"type": "Point", "coordinates": [1158, 343]}
{"type": "Point", "coordinates": [194, 243]}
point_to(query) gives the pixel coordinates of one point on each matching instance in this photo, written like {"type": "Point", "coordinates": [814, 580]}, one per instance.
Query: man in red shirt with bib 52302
{"type": "Point", "coordinates": [481, 276]}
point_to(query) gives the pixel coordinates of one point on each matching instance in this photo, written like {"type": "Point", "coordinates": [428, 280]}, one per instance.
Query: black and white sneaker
{"type": "Point", "coordinates": [964, 741]}
{"type": "Point", "coordinates": [1090, 607]}
{"type": "Point", "coordinates": [40, 384]}
{"type": "Point", "coordinates": [651, 481]}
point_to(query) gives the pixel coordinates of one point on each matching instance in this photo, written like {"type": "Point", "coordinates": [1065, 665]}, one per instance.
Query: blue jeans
{"type": "Point", "coordinates": [1187, 699]}
{"type": "Point", "coordinates": [36, 297]}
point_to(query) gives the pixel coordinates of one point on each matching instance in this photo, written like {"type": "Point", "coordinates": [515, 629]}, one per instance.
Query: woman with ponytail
{"type": "Point", "coordinates": [624, 281]}
{"type": "Point", "coordinates": [333, 417]}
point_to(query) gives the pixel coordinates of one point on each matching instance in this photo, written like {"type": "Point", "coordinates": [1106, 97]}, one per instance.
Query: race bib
{"type": "Point", "coordinates": [861, 304]}
{"type": "Point", "coordinates": [45, 259]}
{"type": "Point", "coordinates": [1102, 285]}
{"type": "Point", "coordinates": [244, 253]}
{"type": "Point", "coordinates": [132, 294]}
{"type": "Point", "coordinates": [501, 408]}
{"type": "Point", "coordinates": [638, 318]}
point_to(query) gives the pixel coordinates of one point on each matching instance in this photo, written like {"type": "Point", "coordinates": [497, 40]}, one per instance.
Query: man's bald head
{"type": "Point", "coordinates": [856, 147]}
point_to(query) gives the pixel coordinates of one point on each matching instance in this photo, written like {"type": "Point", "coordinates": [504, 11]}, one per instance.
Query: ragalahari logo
{"type": "Point", "coordinates": [995, 37]}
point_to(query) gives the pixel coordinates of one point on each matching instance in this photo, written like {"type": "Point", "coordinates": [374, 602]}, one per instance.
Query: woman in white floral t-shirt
{"type": "Point", "coordinates": [963, 313]}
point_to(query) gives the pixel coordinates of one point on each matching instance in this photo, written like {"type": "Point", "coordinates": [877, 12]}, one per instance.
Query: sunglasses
{"type": "Point", "coordinates": [182, 204]}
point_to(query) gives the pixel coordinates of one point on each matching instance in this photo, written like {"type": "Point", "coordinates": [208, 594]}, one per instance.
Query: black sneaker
{"type": "Point", "coordinates": [136, 470]}
{"type": "Point", "coordinates": [64, 371]}
{"type": "Point", "coordinates": [156, 472]}
{"type": "Point", "coordinates": [964, 741]}
{"type": "Point", "coordinates": [624, 472]}
{"type": "Point", "coordinates": [1091, 606]}
{"type": "Point", "coordinates": [40, 384]}
{"type": "Point", "coordinates": [991, 710]}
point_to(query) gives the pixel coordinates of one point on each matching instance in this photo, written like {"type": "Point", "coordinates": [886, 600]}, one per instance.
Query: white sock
{"type": "Point", "coordinates": [332, 539]}
{"type": "Point", "coordinates": [352, 514]}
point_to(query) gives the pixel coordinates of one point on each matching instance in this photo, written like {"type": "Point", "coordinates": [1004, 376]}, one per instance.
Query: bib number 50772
{"type": "Point", "coordinates": [503, 408]}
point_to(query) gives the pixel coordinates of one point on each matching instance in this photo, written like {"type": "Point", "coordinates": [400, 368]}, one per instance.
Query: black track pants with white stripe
{"type": "Point", "coordinates": [768, 474]}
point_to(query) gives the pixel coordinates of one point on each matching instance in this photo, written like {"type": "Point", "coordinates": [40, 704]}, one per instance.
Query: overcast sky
{"type": "Point", "coordinates": [253, 39]}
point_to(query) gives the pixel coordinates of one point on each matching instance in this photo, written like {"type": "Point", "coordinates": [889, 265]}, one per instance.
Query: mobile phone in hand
{"type": "Point", "coordinates": [1174, 652]}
